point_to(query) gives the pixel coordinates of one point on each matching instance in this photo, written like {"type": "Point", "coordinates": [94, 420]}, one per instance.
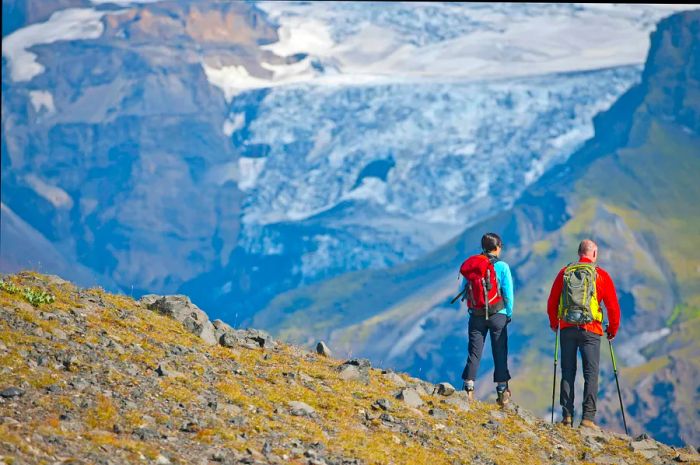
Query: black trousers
{"type": "Point", "coordinates": [575, 339]}
{"type": "Point", "coordinates": [496, 326]}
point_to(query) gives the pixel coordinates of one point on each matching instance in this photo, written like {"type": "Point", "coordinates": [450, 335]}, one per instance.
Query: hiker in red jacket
{"type": "Point", "coordinates": [574, 309]}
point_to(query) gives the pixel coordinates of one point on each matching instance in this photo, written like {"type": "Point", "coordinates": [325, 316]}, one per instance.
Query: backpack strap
{"type": "Point", "coordinates": [494, 259]}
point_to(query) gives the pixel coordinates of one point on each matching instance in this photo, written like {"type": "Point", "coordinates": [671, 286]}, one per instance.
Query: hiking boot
{"type": "Point", "coordinates": [568, 421]}
{"type": "Point", "coordinates": [469, 387]}
{"type": "Point", "coordinates": [588, 424]}
{"type": "Point", "coordinates": [503, 395]}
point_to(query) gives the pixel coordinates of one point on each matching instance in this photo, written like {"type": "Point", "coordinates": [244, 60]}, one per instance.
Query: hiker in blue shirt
{"type": "Point", "coordinates": [490, 305]}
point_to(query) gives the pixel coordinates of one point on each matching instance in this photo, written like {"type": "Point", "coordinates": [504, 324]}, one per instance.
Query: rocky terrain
{"type": "Point", "coordinates": [88, 377]}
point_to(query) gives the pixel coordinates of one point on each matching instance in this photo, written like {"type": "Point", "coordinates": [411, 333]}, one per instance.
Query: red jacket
{"type": "Point", "coordinates": [606, 294]}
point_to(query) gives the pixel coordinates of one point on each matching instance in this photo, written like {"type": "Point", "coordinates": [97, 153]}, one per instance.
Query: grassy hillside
{"type": "Point", "coordinates": [91, 377]}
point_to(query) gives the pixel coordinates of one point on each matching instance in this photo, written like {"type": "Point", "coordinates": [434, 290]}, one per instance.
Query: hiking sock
{"type": "Point", "coordinates": [468, 385]}
{"type": "Point", "coordinates": [501, 388]}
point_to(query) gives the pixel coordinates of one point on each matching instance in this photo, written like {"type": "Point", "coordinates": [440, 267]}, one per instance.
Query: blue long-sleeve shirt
{"type": "Point", "coordinates": [505, 283]}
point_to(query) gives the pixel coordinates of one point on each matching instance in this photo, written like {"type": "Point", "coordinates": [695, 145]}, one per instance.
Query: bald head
{"type": "Point", "coordinates": [587, 248]}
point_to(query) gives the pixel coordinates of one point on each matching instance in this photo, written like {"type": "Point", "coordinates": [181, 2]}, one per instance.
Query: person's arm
{"type": "Point", "coordinates": [506, 283]}
{"type": "Point", "coordinates": [612, 305]}
{"type": "Point", "coordinates": [553, 301]}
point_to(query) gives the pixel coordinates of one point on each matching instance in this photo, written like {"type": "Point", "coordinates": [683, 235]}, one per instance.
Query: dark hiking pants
{"type": "Point", "coordinates": [478, 327]}
{"type": "Point", "coordinates": [575, 339]}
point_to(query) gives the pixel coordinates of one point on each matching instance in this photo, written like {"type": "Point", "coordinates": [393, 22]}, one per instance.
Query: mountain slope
{"type": "Point", "coordinates": [631, 188]}
{"type": "Point", "coordinates": [235, 150]}
{"type": "Point", "coordinates": [94, 377]}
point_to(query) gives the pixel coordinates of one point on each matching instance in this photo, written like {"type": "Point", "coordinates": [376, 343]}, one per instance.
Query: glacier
{"type": "Point", "coordinates": [458, 152]}
{"type": "Point", "coordinates": [470, 102]}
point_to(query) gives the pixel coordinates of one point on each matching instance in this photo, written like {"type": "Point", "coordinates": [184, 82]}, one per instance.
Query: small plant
{"type": "Point", "coordinates": [35, 297]}
{"type": "Point", "coordinates": [9, 287]}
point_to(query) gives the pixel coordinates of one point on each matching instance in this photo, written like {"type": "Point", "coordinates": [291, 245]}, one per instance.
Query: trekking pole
{"type": "Point", "coordinates": [617, 382]}
{"type": "Point", "coordinates": [554, 382]}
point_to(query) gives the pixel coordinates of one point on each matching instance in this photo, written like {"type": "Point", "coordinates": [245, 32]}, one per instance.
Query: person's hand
{"type": "Point", "coordinates": [508, 320]}
{"type": "Point", "coordinates": [610, 335]}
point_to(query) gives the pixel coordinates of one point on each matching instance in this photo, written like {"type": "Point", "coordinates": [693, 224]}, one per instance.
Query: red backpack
{"type": "Point", "coordinates": [481, 287]}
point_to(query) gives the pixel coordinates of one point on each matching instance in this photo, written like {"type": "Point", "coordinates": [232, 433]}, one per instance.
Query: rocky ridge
{"type": "Point", "coordinates": [93, 377]}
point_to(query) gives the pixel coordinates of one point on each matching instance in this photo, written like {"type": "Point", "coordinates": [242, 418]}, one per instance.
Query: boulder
{"type": "Point", "coordinates": [457, 402]}
{"type": "Point", "coordinates": [355, 369]}
{"type": "Point", "coordinates": [362, 363]}
{"type": "Point", "coordinates": [644, 444]}
{"type": "Point", "coordinates": [382, 404]}
{"type": "Point", "coordinates": [444, 389]}
{"type": "Point", "coordinates": [322, 349]}
{"type": "Point", "coordinates": [192, 317]}
{"type": "Point", "coordinates": [410, 397]}
{"type": "Point", "coordinates": [350, 372]}
{"type": "Point", "coordinates": [149, 299]}
{"type": "Point", "coordinates": [220, 328]}
{"type": "Point", "coordinates": [228, 339]}
{"type": "Point", "coordinates": [10, 392]}
{"type": "Point", "coordinates": [394, 379]}
{"type": "Point", "coordinates": [261, 338]}
{"type": "Point", "coordinates": [300, 409]}
{"type": "Point", "coordinates": [424, 390]}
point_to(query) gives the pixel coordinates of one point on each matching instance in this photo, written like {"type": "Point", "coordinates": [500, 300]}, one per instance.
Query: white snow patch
{"type": "Point", "coordinates": [42, 99]}
{"type": "Point", "coordinates": [249, 170]}
{"type": "Point", "coordinates": [300, 34]}
{"type": "Point", "coordinates": [232, 79]}
{"type": "Point", "coordinates": [630, 351]}
{"type": "Point", "coordinates": [491, 41]}
{"type": "Point", "coordinates": [320, 259]}
{"type": "Point", "coordinates": [57, 196]}
{"type": "Point", "coordinates": [69, 24]}
{"type": "Point", "coordinates": [373, 189]}
{"type": "Point", "coordinates": [233, 123]}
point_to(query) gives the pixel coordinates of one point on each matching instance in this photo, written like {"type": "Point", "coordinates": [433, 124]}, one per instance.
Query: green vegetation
{"type": "Point", "coordinates": [682, 314]}
{"type": "Point", "coordinates": [34, 296]}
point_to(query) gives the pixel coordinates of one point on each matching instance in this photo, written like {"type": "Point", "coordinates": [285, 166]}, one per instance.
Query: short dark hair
{"type": "Point", "coordinates": [490, 242]}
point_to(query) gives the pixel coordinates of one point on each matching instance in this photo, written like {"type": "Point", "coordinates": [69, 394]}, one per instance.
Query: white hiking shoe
{"type": "Point", "coordinates": [469, 387]}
